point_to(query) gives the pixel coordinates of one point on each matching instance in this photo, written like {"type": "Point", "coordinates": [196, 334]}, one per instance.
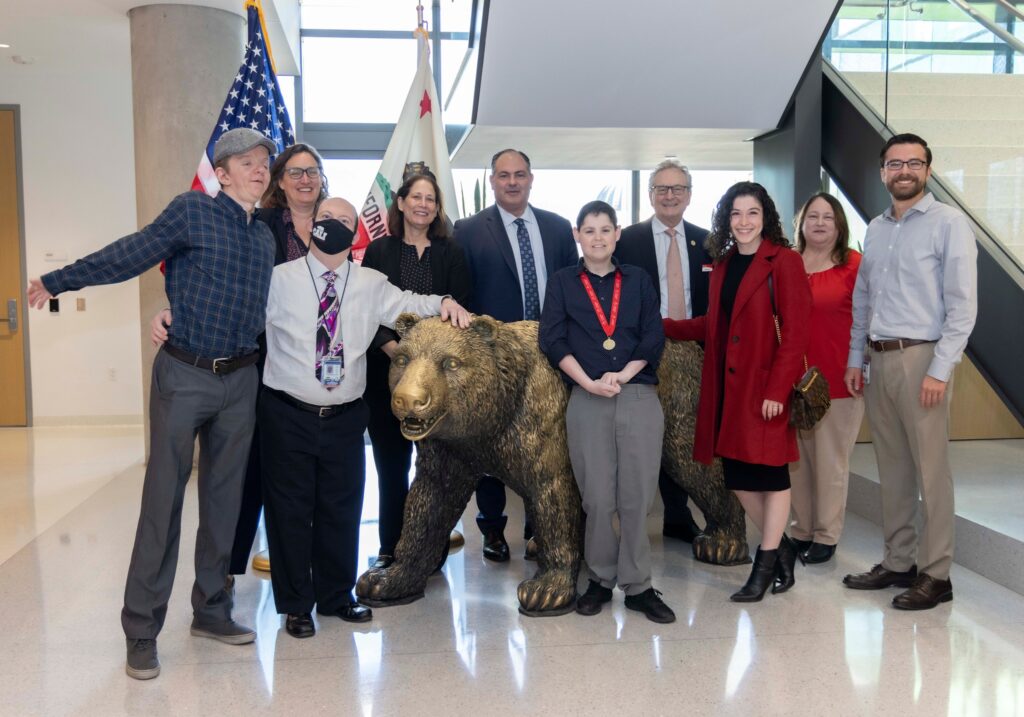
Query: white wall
{"type": "Point", "coordinates": [79, 194]}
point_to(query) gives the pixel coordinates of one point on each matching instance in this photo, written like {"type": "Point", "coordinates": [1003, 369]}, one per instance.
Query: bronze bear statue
{"type": "Point", "coordinates": [486, 400]}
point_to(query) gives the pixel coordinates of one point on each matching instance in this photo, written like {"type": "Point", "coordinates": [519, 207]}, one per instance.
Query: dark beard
{"type": "Point", "coordinates": [903, 194]}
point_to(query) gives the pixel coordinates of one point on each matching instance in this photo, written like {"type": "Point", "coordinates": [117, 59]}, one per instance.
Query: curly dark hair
{"type": "Point", "coordinates": [720, 241]}
{"type": "Point", "coordinates": [274, 196]}
{"type": "Point", "coordinates": [841, 251]}
{"type": "Point", "coordinates": [438, 228]}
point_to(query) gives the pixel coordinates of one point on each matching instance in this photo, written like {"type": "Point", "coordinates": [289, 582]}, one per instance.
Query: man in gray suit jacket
{"type": "Point", "coordinates": [511, 249]}
{"type": "Point", "coordinates": [672, 251]}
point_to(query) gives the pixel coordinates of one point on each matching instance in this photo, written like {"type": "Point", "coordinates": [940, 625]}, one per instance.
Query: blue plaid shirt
{"type": "Point", "coordinates": [217, 273]}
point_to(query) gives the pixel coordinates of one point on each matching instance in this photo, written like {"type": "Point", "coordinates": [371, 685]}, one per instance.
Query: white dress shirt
{"type": "Point", "coordinates": [369, 301]}
{"type": "Point", "coordinates": [661, 252]}
{"type": "Point", "coordinates": [509, 220]}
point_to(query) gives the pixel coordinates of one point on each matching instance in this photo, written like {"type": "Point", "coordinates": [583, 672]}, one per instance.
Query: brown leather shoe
{"type": "Point", "coordinates": [924, 594]}
{"type": "Point", "coordinates": [879, 577]}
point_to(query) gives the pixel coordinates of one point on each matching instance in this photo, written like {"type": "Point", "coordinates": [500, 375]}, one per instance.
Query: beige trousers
{"type": "Point", "coordinates": [822, 475]}
{"type": "Point", "coordinates": [912, 448]}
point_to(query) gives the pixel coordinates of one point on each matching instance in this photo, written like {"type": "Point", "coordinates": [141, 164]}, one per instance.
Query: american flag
{"type": "Point", "coordinates": [253, 101]}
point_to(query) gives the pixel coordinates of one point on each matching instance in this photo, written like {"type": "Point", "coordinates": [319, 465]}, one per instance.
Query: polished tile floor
{"type": "Point", "coordinates": [67, 526]}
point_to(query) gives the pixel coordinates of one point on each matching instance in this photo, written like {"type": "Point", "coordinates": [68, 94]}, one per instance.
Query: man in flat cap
{"type": "Point", "coordinates": [219, 262]}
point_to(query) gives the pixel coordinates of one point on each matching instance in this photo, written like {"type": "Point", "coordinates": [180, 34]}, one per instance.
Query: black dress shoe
{"type": "Point", "coordinates": [801, 545]}
{"type": "Point", "coordinates": [383, 561]}
{"type": "Point", "coordinates": [924, 594]}
{"type": "Point", "coordinates": [590, 602]}
{"type": "Point", "coordinates": [879, 577]}
{"type": "Point", "coordinates": [352, 612]}
{"type": "Point", "coordinates": [686, 531]}
{"type": "Point", "coordinates": [531, 550]}
{"type": "Point", "coordinates": [785, 566]}
{"type": "Point", "coordinates": [300, 625]}
{"type": "Point", "coordinates": [818, 553]}
{"type": "Point", "coordinates": [650, 604]}
{"type": "Point", "coordinates": [762, 575]}
{"type": "Point", "coordinates": [495, 547]}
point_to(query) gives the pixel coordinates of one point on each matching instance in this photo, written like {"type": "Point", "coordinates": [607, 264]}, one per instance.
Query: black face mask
{"type": "Point", "coordinates": [331, 236]}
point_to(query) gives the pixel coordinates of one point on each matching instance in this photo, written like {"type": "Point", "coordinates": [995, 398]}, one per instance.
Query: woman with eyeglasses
{"type": "Point", "coordinates": [821, 477]}
{"type": "Point", "coordinates": [420, 256]}
{"type": "Point", "coordinates": [297, 186]}
{"type": "Point", "coordinates": [748, 374]}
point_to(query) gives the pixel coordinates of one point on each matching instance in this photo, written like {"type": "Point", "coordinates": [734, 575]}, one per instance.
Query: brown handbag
{"type": "Point", "coordinates": [810, 400]}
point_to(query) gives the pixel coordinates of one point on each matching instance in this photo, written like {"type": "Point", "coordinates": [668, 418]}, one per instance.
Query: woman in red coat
{"type": "Point", "coordinates": [748, 376]}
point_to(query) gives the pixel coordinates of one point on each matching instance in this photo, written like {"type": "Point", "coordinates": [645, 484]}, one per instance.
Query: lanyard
{"type": "Point", "coordinates": [607, 325]}
{"type": "Point", "coordinates": [341, 296]}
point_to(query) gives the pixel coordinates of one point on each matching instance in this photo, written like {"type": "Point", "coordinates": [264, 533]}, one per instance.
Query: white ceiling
{"type": "Point", "coordinates": [578, 83]}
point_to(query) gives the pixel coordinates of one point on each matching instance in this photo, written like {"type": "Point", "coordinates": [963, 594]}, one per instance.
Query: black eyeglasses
{"type": "Point", "coordinates": [662, 189]}
{"type": "Point", "coordinates": [895, 165]}
{"type": "Point", "coordinates": [297, 172]}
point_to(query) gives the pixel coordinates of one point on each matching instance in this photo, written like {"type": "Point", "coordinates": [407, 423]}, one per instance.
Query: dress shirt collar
{"type": "Point", "coordinates": [507, 217]}
{"type": "Point", "coordinates": [923, 205]}
{"type": "Point", "coordinates": [659, 226]}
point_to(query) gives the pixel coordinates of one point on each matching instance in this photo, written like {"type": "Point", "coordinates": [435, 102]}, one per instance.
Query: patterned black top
{"type": "Point", "coordinates": [296, 248]}
{"type": "Point", "coordinates": [416, 274]}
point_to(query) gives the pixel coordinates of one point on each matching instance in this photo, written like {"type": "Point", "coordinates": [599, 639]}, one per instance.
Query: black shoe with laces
{"type": "Point", "coordinates": [142, 663]}
{"type": "Point", "coordinates": [590, 602]}
{"type": "Point", "coordinates": [650, 604]}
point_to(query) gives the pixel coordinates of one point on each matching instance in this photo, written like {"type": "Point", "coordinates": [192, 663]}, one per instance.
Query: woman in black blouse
{"type": "Point", "coordinates": [419, 256]}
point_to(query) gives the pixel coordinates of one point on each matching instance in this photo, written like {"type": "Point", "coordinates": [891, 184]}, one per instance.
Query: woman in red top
{"type": "Point", "coordinates": [743, 412]}
{"type": "Point", "coordinates": [821, 476]}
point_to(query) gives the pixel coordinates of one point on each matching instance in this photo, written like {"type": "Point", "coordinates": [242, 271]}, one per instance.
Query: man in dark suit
{"type": "Point", "coordinates": [511, 249]}
{"type": "Point", "coordinates": [672, 251]}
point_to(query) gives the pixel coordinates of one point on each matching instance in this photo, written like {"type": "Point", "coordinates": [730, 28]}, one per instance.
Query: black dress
{"type": "Point", "coordinates": [740, 475]}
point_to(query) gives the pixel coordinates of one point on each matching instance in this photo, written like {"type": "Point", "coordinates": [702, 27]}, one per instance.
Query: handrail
{"type": "Point", "coordinates": [1011, 40]}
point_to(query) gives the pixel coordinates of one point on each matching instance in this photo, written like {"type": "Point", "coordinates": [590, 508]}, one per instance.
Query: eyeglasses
{"type": "Point", "coordinates": [895, 165]}
{"type": "Point", "coordinates": [297, 172]}
{"type": "Point", "coordinates": [678, 189]}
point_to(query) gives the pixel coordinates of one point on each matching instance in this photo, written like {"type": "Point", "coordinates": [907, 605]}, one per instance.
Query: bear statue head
{"type": "Point", "coordinates": [444, 380]}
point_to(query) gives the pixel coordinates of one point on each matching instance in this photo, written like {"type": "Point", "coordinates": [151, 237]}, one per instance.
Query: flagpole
{"type": "Point", "coordinates": [263, 28]}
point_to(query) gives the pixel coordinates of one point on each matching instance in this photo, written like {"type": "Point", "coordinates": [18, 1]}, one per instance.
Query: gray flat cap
{"type": "Point", "coordinates": [239, 141]}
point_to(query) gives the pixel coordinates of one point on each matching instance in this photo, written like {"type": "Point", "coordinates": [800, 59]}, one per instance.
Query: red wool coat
{"type": "Point", "coordinates": [743, 359]}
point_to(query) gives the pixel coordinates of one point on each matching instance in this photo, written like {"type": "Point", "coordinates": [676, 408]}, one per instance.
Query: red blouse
{"type": "Point", "coordinates": [831, 319]}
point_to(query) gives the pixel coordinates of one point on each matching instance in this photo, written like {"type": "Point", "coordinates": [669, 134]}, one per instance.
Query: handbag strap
{"type": "Point", "coordinates": [775, 317]}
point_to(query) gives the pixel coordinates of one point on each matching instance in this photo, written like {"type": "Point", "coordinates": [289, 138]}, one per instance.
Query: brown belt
{"type": "Point", "coordinates": [896, 344]}
{"type": "Point", "coordinates": [220, 366]}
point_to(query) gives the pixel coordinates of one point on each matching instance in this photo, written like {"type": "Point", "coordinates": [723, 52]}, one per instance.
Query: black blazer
{"type": "Point", "coordinates": [492, 264]}
{"type": "Point", "coordinates": [636, 246]}
{"type": "Point", "coordinates": [274, 218]}
{"type": "Point", "coordinates": [449, 274]}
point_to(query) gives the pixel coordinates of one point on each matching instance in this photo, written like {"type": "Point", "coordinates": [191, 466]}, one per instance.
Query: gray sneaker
{"type": "Point", "coordinates": [229, 632]}
{"type": "Point", "coordinates": [142, 663]}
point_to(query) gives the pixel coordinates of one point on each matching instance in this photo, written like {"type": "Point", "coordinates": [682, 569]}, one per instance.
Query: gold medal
{"type": "Point", "coordinates": [608, 344]}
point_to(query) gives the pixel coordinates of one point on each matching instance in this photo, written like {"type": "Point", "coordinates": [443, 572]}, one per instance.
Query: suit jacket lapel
{"type": "Point", "coordinates": [500, 237]}
{"type": "Point", "coordinates": [648, 257]}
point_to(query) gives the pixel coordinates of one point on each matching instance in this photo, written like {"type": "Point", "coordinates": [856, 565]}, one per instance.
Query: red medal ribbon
{"type": "Point", "coordinates": [608, 326]}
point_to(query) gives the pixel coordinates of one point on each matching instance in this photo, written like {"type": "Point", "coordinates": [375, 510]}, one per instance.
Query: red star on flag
{"type": "Point", "coordinates": [424, 104]}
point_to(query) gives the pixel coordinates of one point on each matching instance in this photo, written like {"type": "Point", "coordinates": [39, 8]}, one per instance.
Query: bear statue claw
{"type": "Point", "coordinates": [380, 587]}
{"type": "Point", "coordinates": [720, 549]}
{"type": "Point", "coordinates": [541, 597]}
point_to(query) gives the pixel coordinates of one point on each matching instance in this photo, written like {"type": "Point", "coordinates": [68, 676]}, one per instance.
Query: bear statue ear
{"type": "Point", "coordinates": [485, 327]}
{"type": "Point", "coordinates": [404, 324]}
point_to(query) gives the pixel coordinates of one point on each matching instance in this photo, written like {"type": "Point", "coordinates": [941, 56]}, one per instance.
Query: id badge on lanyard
{"type": "Point", "coordinates": [332, 370]}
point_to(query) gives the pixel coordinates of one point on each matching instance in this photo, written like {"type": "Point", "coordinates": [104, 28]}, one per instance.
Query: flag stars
{"type": "Point", "coordinates": [224, 126]}
{"type": "Point", "coordinates": [254, 124]}
{"type": "Point", "coordinates": [229, 110]}
{"type": "Point", "coordinates": [257, 108]}
{"type": "Point", "coordinates": [248, 84]}
{"type": "Point", "coordinates": [252, 67]}
{"type": "Point", "coordinates": [261, 92]}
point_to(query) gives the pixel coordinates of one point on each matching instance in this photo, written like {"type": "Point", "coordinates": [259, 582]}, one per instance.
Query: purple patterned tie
{"type": "Point", "coordinates": [327, 322]}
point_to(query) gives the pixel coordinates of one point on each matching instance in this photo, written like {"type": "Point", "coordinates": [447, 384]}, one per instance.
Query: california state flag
{"type": "Point", "coordinates": [418, 143]}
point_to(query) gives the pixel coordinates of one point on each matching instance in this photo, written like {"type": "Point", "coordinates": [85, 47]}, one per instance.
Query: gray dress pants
{"type": "Point", "coordinates": [186, 402]}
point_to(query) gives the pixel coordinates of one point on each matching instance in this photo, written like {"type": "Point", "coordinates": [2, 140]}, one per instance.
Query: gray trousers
{"type": "Point", "coordinates": [615, 449]}
{"type": "Point", "coordinates": [912, 447]}
{"type": "Point", "coordinates": [186, 402]}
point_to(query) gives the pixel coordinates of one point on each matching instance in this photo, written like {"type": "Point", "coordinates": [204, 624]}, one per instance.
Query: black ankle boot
{"type": "Point", "coordinates": [761, 577]}
{"type": "Point", "coordinates": [784, 570]}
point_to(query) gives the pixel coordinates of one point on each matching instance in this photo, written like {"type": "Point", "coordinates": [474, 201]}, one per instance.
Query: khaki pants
{"type": "Point", "coordinates": [822, 475]}
{"type": "Point", "coordinates": [912, 449]}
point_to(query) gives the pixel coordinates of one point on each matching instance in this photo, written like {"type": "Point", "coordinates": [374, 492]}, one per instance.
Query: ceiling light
{"type": "Point", "coordinates": [4, 46]}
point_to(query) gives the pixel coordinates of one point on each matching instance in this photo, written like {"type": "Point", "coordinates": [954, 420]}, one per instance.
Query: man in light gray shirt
{"type": "Point", "coordinates": [914, 307]}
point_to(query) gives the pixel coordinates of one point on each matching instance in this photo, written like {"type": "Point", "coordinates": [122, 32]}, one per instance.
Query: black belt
{"type": "Point", "coordinates": [322, 411]}
{"type": "Point", "coordinates": [894, 344]}
{"type": "Point", "coordinates": [220, 366]}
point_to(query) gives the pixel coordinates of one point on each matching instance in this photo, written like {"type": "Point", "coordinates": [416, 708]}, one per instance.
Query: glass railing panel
{"type": "Point", "coordinates": [931, 68]}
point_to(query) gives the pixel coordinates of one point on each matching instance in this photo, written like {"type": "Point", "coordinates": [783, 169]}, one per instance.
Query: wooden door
{"type": "Point", "coordinates": [13, 394]}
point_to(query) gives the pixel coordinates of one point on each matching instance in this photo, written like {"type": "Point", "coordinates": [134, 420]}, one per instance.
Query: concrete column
{"type": "Point", "coordinates": [788, 161]}
{"type": "Point", "coordinates": [183, 60]}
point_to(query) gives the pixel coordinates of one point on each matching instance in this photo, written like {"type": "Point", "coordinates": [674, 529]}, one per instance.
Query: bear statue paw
{"type": "Point", "coordinates": [721, 549]}
{"type": "Point", "coordinates": [384, 587]}
{"type": "Point", "coordinates": [546, 597]}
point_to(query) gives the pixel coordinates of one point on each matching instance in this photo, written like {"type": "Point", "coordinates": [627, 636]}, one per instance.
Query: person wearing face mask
{"type": "Point", "coordinates": [297, 186]}
{"type": "Point", "coordinates": [322, 315]}
{"type": "Point", "coordinates": [748, 373]}
{"type": "Point", "coordinates": [821, 477]}
{"type": "Point", "coordinates": [418, 255]}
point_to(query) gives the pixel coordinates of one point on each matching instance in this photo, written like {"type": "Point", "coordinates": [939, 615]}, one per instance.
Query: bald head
{"type": "Point", "coordinates": [337, 208]}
